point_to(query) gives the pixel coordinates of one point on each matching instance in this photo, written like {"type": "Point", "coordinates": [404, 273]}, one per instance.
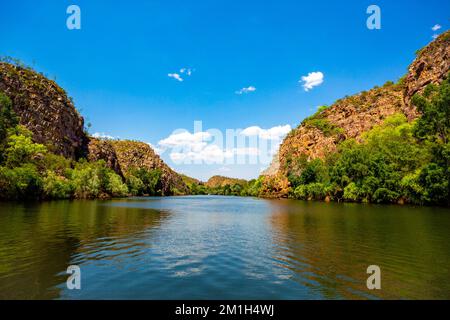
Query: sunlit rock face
{"type": "Point", "coordinates": [44, 108]}
{"type": "Point", "coordinates": [123, 156]}
{"type": "Point", "coordinates": [351, 116]}
{"type": "Point", "coordinates": [431, 66]}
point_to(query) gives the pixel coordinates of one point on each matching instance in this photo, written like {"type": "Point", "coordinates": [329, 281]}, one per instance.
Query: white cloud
{"type": "Point", "coordinates": [176, 76]}
{"type": "Point", "coordinates": [185, 146]}
{"type": "Point", "coordinates": [435, 36]}
{"type": "Point", "coordinates": [180, 76]}
{"type": "Point", "coordinates": [102, 135]}
{"type": "Point", "coordinates": [187, 71]}
{"type": "Point", "coordinates": [312, 80]}
{"type": "Point", "coordinates": [246, 90]}
{"type": "Point", "coordinates": [193, 140]}
{"type": "Point", "coordinates": [436, 27]}
{"type": "Point", "coordinates": [274, 133]}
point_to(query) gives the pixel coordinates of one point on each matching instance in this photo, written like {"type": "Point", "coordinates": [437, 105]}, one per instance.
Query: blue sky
{"type": "Point", "coordinates": [116, 67]}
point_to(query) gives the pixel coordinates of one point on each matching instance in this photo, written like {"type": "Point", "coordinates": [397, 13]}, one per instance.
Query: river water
{"type": "Point", "coordinates": [212, 247]}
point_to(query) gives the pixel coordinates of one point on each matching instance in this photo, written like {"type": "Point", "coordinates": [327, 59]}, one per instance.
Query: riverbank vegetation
{"type": "Point", "coordinates": [29, 171]}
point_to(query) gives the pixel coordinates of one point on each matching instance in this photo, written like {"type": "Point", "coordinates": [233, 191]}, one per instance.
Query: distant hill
{"type": "Point", "coordinates": [220, 181]}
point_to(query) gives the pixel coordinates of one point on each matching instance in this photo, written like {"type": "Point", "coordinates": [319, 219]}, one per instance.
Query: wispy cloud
{"type": "Point", "coordinates": [313, 79]}
{"type": "Point", "coordinates": [246, 90]}
{"type": "Point", "coordinates": [182, 74]}
{"type": "Point", "coordinates": [176, 76]}
{"type": "Point", "coordinates": [187, 71]}
{"type": "Point", "coordinates": [435, 36]}
{"type": "Point", "coordinates": [436, 27]}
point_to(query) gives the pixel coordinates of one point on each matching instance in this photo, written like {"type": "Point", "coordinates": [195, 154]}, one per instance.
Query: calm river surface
{"type": "Point", "coordinates": [209, 247]}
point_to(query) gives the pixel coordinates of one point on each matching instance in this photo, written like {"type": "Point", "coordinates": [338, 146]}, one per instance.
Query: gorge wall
{"type": "Point", "coordinates": [124, 155]}
{"type": "Point", "coordinates": [350, 117]}
{"type": "Point", "coordinates": [45, 109]}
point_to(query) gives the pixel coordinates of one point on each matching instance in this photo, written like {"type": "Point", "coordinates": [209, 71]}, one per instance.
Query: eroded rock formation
{"type": "Point", "coordinates": [123, 156]}
{"type": "Point", "coordinates": [44, 108]}
{"type": "Point", "coordinates": [350, 117]}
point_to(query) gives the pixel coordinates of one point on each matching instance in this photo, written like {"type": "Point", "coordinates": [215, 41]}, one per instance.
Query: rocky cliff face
{"type": "Point", "coordinates": [124, 156]}
{"type": "Point", "coordinates": [431, 66]}
{"type": "Point", "coordinates": [43, 107]}
{"type": "Point", "coordinates": [350, 117]}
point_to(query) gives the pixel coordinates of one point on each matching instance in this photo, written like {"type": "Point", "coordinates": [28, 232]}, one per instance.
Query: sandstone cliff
{"type": "Point", "coordinates": [123, 156]}
{"type": "Point", "coordinates": [44, 108]}
{"type": "Point", "coordinates": [350, 117]}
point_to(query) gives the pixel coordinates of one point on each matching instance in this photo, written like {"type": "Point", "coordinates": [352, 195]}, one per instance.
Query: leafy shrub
{"type": "Point", "coordinates": [351, 192]}
{"type": "Point", "coordinates": [8, 118]}
{"type": "Point", "coordinates": [151, 180]}
{"type": "Point", "coordinates": [312, 191]}
{"type": "Point", "coordinates": [135, 185]}
{"type": "Point", "coordinates": [384, 195]}
{"type": "Point", "coordinates": [56, 187]}
{"type": "Point", "coordinates": [435, 183]}
{"type": "Point", "coordinates": [85, 181]}
{"type": "Point", "coordinates": [22, 182]}
{"type": "Point", "coordinates": [21, 149]}
{"type": "Point", "coordinates": [114, 186]}
{"type": "Point", "coordinates": [325, 126]}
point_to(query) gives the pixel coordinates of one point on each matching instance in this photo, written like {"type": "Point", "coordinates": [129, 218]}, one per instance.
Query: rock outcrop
{"type": "Point", "coordinates": [124, 155]}
{"type": "Point", "coordinates": [102, 149]}
{"type": "Point", "coordinates": [350, 117]}
{"type": "Point", "coordinates": [431, 66]}
{"type": "Point", "coordinates": [44, 108]}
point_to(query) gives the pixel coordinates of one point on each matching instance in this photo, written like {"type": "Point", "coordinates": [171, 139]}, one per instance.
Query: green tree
{"type": "Point", "coordinates": [135, 185]}
{"type": "Point", "coordinates": [114, 186]}
{"type": "Point", "coordinates": [19, 183]}
{"type": "Point", "coordinates": [56, 187]}
{"type": "Point", "coordinates": [21, 149]}
{"type": "Point", "coordinates": [85, 181]}
{"type": "Point", "coordinates": [8, 119]}
{"type": "Point", "coordinates": [434, 128]}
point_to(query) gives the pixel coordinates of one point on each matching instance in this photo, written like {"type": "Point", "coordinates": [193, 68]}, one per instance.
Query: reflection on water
{"type": "Point", "coordinates": [222, 248]}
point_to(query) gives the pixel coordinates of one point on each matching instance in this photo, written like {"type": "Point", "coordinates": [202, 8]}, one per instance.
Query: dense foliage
{"type": "Point", "coordinates": [29, 171]}
{"type": "Point", "coordinates": [243, 189]}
